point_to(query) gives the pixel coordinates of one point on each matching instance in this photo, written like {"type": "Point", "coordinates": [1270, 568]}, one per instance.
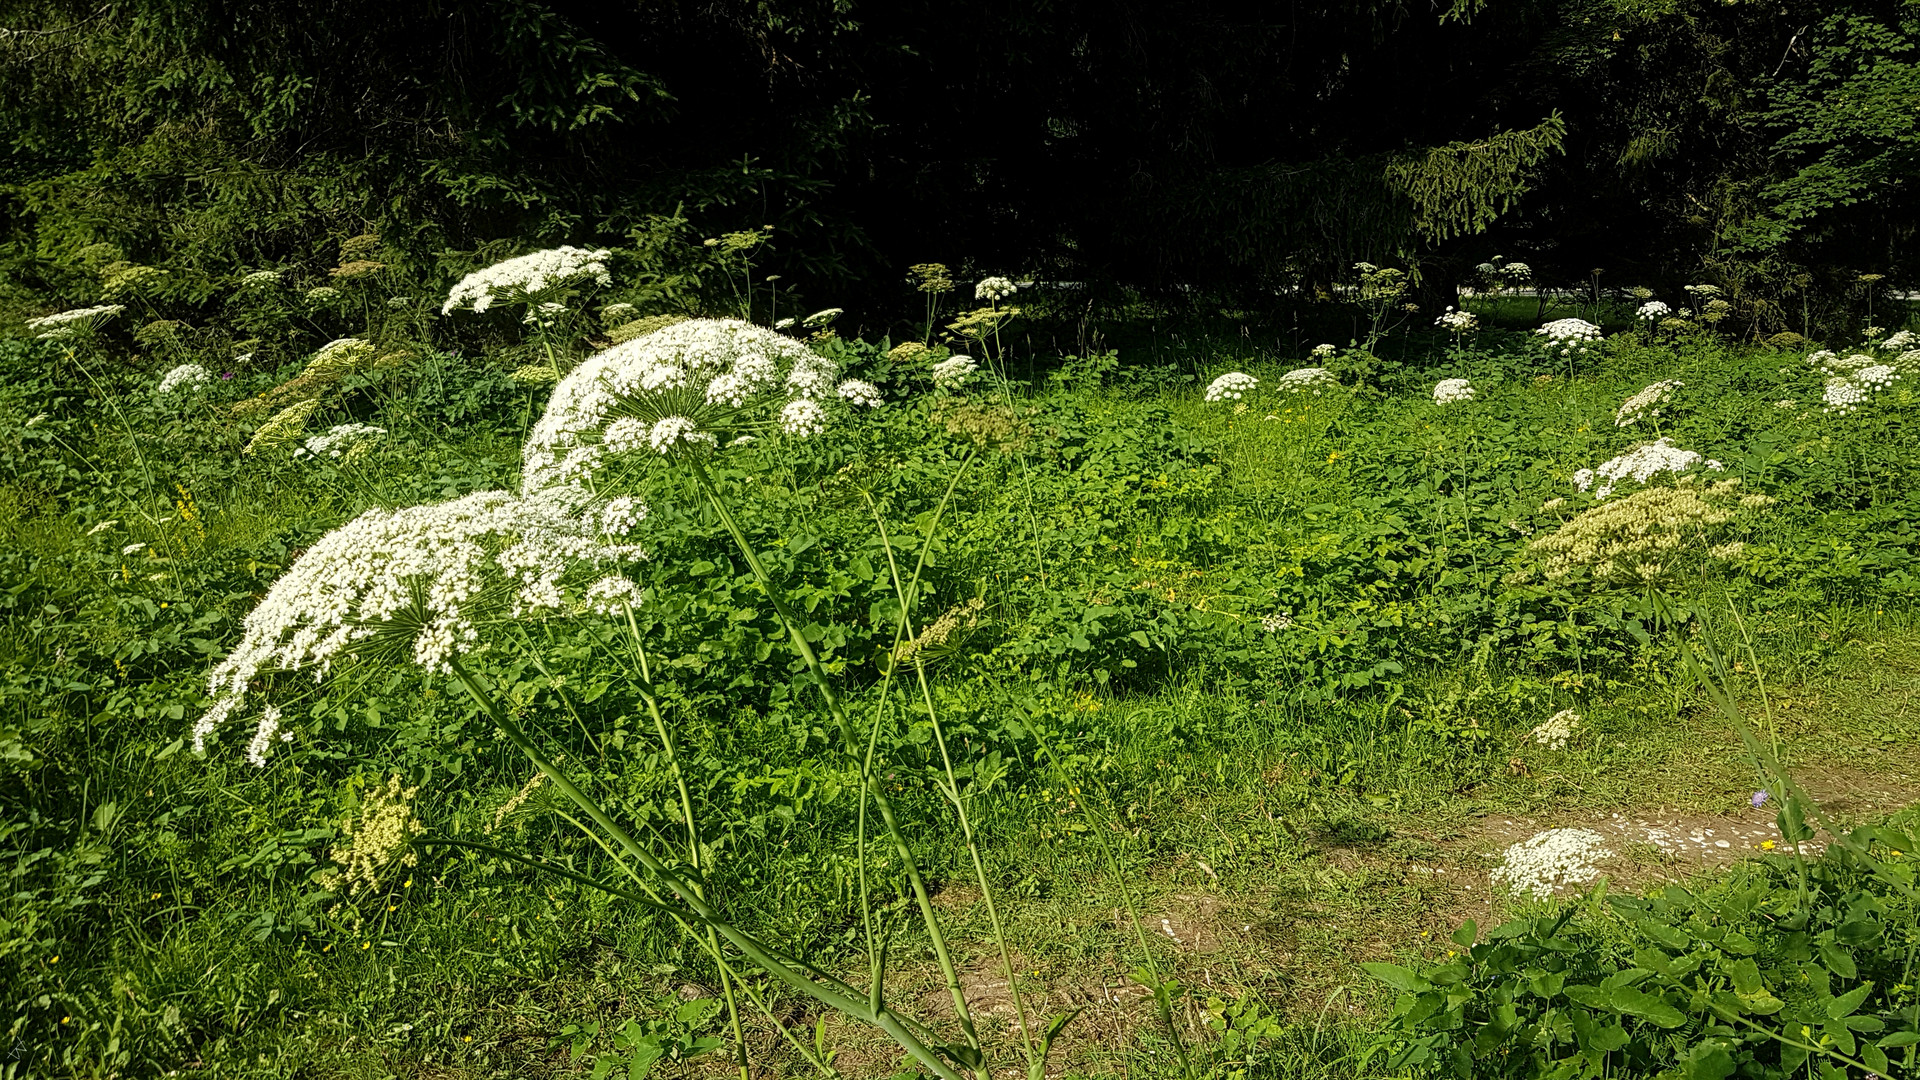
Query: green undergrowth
{"type": "Point", "coordinates": [1231, 638]}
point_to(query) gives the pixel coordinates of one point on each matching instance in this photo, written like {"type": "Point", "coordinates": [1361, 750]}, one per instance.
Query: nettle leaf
{"type": "Point", "coordinates": [1645, 1006]}
{"type": "Point", "coordinates": [1398, 977]}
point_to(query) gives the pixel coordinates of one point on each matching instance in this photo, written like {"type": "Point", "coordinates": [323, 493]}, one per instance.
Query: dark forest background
{"type": "Point", "coordinates": [1247, 152]}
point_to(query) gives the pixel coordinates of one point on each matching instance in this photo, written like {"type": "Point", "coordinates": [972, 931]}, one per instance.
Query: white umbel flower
{"type": "Point", "coordinates": [1549, 860]}
{"type": "Point", "coordinates": [60, 324]}
{"type": "Point", "coordinates": [713, 376]}
{"type": "Point", "coordinates": [527, 276]}
{"type": "Point", "coordinates": [803, 417]}
{"type": "Point", "coordinates": [859, 392]}
{"type": "Point", "coordinates": [411, 580]}
{"type": "Point", "coordinates": [338, 441]}
{"type": "Point", "coordinates": [1231, 387]}
{"type": "Point", "coordinates": [1843, 395]}
{"type": "Point", "coordinates": [1450, 391]}
{"type": "Point", "coordinates": [1652, 311]}
{"type": "Point", "coordinates": [1322, 351]}
{"type": "Point", "coordinates": [1307, 380]}
{"type": "Point", "coordinates": [1555, 731]}
{"type": "Point", "coordinates": [1877, 376]}
{"type": "Point", "coordinates": [1457, 322]}
{"type": "Point", "coordinates": [1904, 339]}
{"type": "Point", "coordinates": [954, 372]}
{"type": "Point", "coordinates": [1646, 404]}
{"type": "Point", "coordinates": [184, 379]}
{"type": "Point", "coordinates": [612, 594]}
{"type": "Point", "coordinates": [673, 432]}
{"type": "Point", "coordinates": [993, 289]}
{"type": "Point", "coordinates": [1640, 464]}
{"type": "Point", "coordinates": [1569, 337]}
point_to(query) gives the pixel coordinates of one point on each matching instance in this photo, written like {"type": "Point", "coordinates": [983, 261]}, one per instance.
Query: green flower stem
{"type": "Point", "coordinates": [805, 648]}
{"type": "Point", "coordinates": [837, 998]}
{"type": "Point", "coordinates": [693, 830]}
{"type": "Point", "coordinates": [1162, 1003]}
{"type": "Point", "coordinates": [952, 791]}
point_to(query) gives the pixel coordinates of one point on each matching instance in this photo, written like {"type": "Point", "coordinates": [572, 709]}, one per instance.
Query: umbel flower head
{"type": "Point", "coordinates": [1231, 387]}
{"type": "Point", "coordinates": [1449, 391]}
{"type": "Point", "coordinates": [342, 442]}
{"type": "Point", "coordinates": [953, 372]}
{"type": "Point", "coordinates": [1651, 534]}
{"type": "Point", "coordinates": [993, 289]}
{"type": "Point", "coordinates": [1307, 380]}
{"type": "Point", "coordinates": [1457, 322]}
{"type": "Point", "coordinates": [65, 323]}
{"type": "Point", "coordinates": [184, 379]}
{"type": "Point", "coordinates": [1647, 403]}
{"type": "Point", "coordinates": [680, 389]}
{"type": "Point", "coordinates": [1640, 464]}
{"type": "Point", "coordinates": [1569, 337]}
{"type": "Point", "coordinates": [412, 583]}
{"type": "Point", "coordinates": [1652, 311]}
{"type": "Point", "coordinates": [527, 276]}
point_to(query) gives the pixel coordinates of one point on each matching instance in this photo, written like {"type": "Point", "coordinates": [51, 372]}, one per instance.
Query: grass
{"type": "Point", "coordinates": [1280, 803]}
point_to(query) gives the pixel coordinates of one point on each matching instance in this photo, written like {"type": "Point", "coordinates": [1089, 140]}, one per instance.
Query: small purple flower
{"type": "Point", "coordinates": [226, 375]}
{"type": "Point", "coordinates": [1759, 799]}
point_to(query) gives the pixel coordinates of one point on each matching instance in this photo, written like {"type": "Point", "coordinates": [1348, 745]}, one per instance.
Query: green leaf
{"type": "Point", "coordinates": [1899, 1039]}
{"type": "Point", "coordinates": [1838, 960]}
{"type": "Point", "coordinates": [1466, 934]}
{"type": "Point", "coordinates": [1396, 976]}
{"type": "Point", "coordinates": [1646, 1006]}
{"type": "Point", "coordinates": [1707, 1061]}
{"type": "Point", "coordinates": [1746, 978]}
{"type": "Point", "coordinates": [1875, 1058]}
{"type": "Point", "coordinates": [1846, 1003]}
{"type": "Point", "coordinates": [1857, 932]}
{"type": "Point", "coordinates": [1591, 996]}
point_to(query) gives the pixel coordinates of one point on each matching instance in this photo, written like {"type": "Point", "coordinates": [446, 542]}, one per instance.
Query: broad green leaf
{"type": "Point", "coordinates": [1396, 976]}
{"type": "Point", "coordinates": [1846, 1003]}
{"type": "Point", "coordinates": [1838, 960]}
{"type": "Point", "coordinates": [1591, 996]}
{"type": "Point", "coordinates": [1707, 1061]}
{"type": "Point", "coordinates": [1465, 935]}
{"type": "Point", "coordinates": [1646, 1006]}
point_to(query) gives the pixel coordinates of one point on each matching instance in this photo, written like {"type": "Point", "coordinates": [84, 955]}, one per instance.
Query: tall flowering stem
{"type": "Point", "coordinates": [794, 974]}
{"type": "Point", "coordinates": [906, 591]}
{"type": "Point", "coordinates": [837, 709]}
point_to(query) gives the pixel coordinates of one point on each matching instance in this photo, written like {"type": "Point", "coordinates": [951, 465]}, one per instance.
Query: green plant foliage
{"type": "Point", "coordinates": [1763, 975]}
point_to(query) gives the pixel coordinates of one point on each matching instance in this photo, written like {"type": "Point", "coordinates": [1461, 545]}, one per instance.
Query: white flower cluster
{"type": "Point", "coordinates": [677, 388]}
{"type": "Point", "coordinates": [260, 277]}
{"type": "Point", "coordinates": [1543, 863]}
{"type": "Point", "coordinates": [1844, 396]}
{"type": "Point", "coordinates": [1307, 380]}
{"type": "Point", "coordinates": [1852, 380]}
{"type": "Point", "coordinates": [953, 372]}
{"type": "Point", "coordinates": [337, 441]}
{"type": "Point", "coordinates": [1457, 322]}
{"type": "Point", "coordinates": [1555, 731]}
{"type": "Point", "coordinates": [1449, 391]}
{"type": "Point", "coordinates": [527, 276]}
{"type": "Point", "coordinates": [1904, 339]}
{"type": "Point", "coordinates": [1569, 337]}
{"type": "Point", "coordinates": [1231, 387]}
{"type": "Point", "coordinates": [1322, 351]}
{"type": "Point", "coordinates": [184, 379]}
{"type": "Point", "coordinates": [1640, 464]}
{"type": "Point", "coordinates": [993, 289]}
{"type": "Point", "coordinates": [325, 294]}
{"type": "Point", "coordinates": [1652, 310]}
{"type": "Point", "coordinates": [1647, 403]}
{"type": "Point", "coordinates": [63, 323]}
{"type": "Point", "coordinates": [413, 580]}
{"type": "Point", "coordinates": [612, 595]}
{"type": "Point", "coordinates": [823, 317]}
